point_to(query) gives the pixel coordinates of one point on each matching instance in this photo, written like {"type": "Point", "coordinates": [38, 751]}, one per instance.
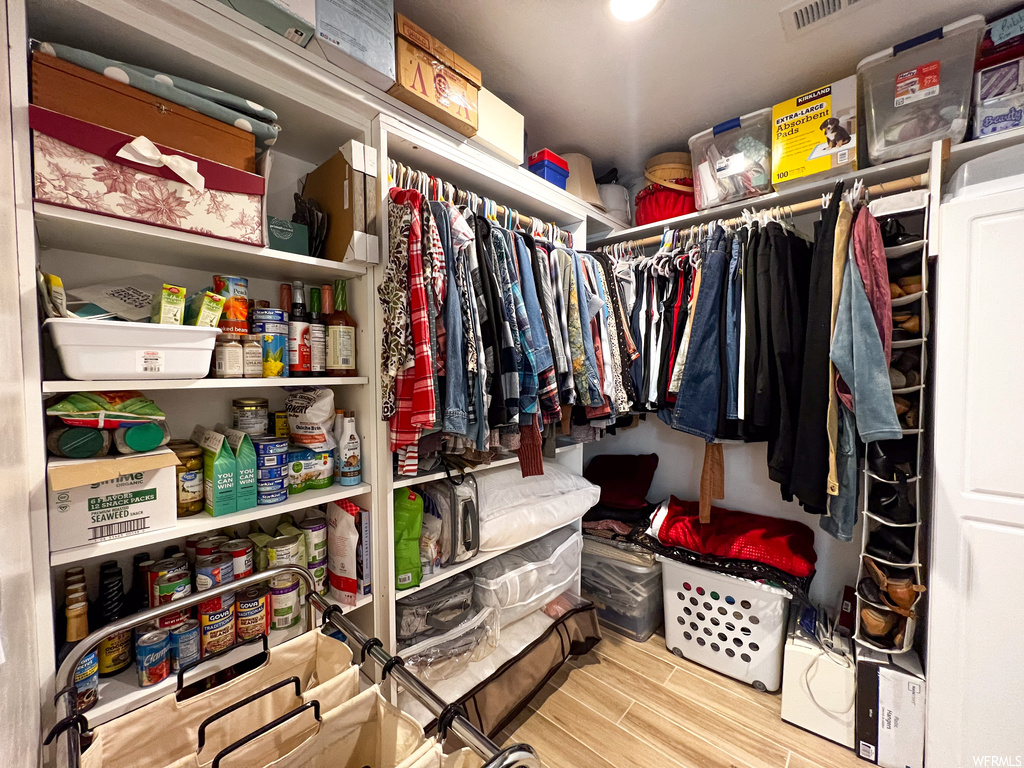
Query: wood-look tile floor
{"type": "Point", "coordinates": [629, 704]}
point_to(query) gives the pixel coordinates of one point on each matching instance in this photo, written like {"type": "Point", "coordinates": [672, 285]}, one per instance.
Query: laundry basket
{"type": "Point", "coordinates": [731, 625]}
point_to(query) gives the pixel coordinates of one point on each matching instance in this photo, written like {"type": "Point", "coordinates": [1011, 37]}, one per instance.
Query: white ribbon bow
{"type": "Point", "coordinates": [143, 151]}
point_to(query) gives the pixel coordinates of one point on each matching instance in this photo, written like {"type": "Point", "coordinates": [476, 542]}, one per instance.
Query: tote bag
{"type": "Point", "coordinates": [167, 730]}
{"type": "Point", "coordinates": [364, 732]}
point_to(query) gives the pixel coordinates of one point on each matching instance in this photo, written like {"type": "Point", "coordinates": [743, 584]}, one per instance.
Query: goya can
{"type": "Point", "coordinates": [170, 587]}
{"type": "Point", "coordinates": [319, 573]}
{"type": "Point", "coordinates": [284, 550]}
{"type": "Point", "coordinates": [271, 497]}
{"type": "Point", "coordinates": [234, 317]}
{"type": "Point", "coordinates": [270, 446]}
{"type": "Point", "coordinates": [153, 656]}
{"type": "Point", "coordinates": [211, 571]}
{"type": "Point", "coordinates": [252, 613]}
{"type": "Point", "coordinates": [211, 545]}
{"type": "Point", "coordinates": [314, 529]}
{"type": "Point", "coordinates": [241, 552]}
{"type": "Point", "coordinates": [284, 605]}
{"type": "Point", "coordinates": [185, 644]}
{"type": "Point", "coordinates": [216, 630]}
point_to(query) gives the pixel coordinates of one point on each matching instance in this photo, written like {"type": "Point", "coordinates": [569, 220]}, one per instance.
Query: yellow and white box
{"type": "Point", "coordinates": [815, 133]}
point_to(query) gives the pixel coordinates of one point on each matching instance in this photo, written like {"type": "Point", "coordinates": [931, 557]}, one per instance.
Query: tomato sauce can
{"type": "Point", "coordinates": [252, 613]}
{"type": "Point", "coordinates": [217, 630]}
{"type": "Point", "coordinates": [190, 545]}
{"type": "Point", "coordinates": [153, 657]}
{"type": "Point", "coordinates": [210, 545]}
{"type": "Point", "coordinates": [184, 644]}
{"type": "Point", "coordinates": [241, 552]}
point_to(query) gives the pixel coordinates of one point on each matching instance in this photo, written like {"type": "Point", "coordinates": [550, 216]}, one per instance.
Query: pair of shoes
{"type": "Point", "coordinates": [886, 629]}
{"type": "Point", "coordinates": [895, 587]}
{"type": "Point", "coordinates": [892, 504]}
{"type": "Point", "coordinates": [890, 460]}
{"type": "Point", "coordinates": [910, 322]}
{"type": "Point", "coordinates": [894, 545]}
{"type": "Point", "coordinates": [906, 411]}
{"type": "Point", "coordinates": [905, 362]}
{"type": "Point", "coordinates": [905, 286]}
{"type": "Point", "coordinates": [894, 233]}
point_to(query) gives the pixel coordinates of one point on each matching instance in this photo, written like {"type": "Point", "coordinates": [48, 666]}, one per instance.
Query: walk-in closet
{"type": "Point", "coordinates": [463, 384]}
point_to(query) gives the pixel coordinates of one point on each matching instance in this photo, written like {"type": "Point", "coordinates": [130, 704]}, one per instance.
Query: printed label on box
{"type": "Point", "coordinates": [731, 166]}
{"type": "Point", "coordinates": [867, 751]}
{"type": "Point", "coordinates": [149, 361]}
{"type": "Point", "coordinates": [918, 84]}
{"type": "Point", "coordinates": [815, 132]}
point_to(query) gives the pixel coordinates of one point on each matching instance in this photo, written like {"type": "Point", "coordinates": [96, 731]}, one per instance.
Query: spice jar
{"type": "Point", "coordinates": [252, 356]}
{"type": "Point", "coordinates": [228, 361]}
{"type": "Point", "coordinates": [189, 476]}
{"type": "Point", "coordinates": [250, 415]}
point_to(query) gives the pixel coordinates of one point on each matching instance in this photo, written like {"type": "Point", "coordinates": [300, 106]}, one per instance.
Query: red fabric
{"type": "Point", "coordinates": [106, 143]}
{"type": "Point", "coordinates": [657, 203]}
{"type": "Point", "coordinates": [783, 544]}
{"type": "Point", "coordinates": [624, 479]}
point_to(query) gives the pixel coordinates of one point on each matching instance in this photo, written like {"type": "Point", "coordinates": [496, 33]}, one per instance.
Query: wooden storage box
{"type": "Point", "coordinates": [76, 165]}
{"type": "Point", "coordinates": [80, 93]}
{"type": "Point", "coordinates": [434, 79]}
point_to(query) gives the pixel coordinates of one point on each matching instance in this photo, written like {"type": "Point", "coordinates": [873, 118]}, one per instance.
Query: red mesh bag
{"type": "Point", "coordinates": [657, 203]}
{"type": "Point", "coordinates": [783, 544]}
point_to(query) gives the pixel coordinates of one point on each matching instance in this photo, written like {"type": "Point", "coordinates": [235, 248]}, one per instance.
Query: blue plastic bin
{"type": "Point", "coordinates": [551, 172]}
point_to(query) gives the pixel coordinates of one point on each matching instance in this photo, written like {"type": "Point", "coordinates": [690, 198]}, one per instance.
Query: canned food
{"type": "Point", "coordinates": [153, 657]}
{"type": "Point", "coordinates": [162, 568]}
{"type": "Point", "coordinates": [272, 473]}
{"type": "Point", "coordinates": [241, 552]}
{"type": "Point", "coordinates": [252, 613]}
{"type": "Point", "coordinates": [235, 290]}
{"type": "Point", "coordinates": [319, 573]}
{"type": "Point", "coordinates": [211, 571]}
{"type": "Point", "coordinates": [284, 550]}
{"type": "Point", "coordinates": [210, 545]}
{"type": "Point", "coordinates": [271, 497]}
{"type": "Point", "coordinates": [185, 644]}
{"type": "Point", "coordinates": [267, 460]}
{"type": "Point", "coordinates": [217, 630]}
{"type": "Point", "coordinates": [279, 420]}
{"type": "Point", "coordinates": [169, 587]}
{"type": "Point", "coordinates": [87, 681]}
{"type": "Point", "coordinates": [314, 529]}
{"type": "Point", "coordinates": [275, 353]}
{"type": "Point", "coordinates": [273, 328]}
{"type": "Point", "coordinates": [269, 315]}
{"type": "Point", "coordinates": [270, 446]}
{"type": "Point", "coordinates": [284, 605]}
{"type": "Point", "coordinates": [189, 475]}
{"type": "Point", "coordinates": [271, 486]}
{"type": "Point", "coordinates": [190, 545]}
{"type": "Point", "coordinates": [249, 415]}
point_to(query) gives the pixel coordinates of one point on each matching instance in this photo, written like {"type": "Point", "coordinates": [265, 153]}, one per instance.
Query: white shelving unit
{"type": "Point", "coordinates": [51, 387]}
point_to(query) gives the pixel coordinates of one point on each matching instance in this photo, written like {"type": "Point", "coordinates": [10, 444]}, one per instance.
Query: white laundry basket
{"type": "Point", "coordinates": [734, 626]}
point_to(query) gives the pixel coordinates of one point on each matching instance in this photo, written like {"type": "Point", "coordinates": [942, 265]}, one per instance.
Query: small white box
{"type": "Point", "coordinates": [93, 500]}
{"type": "Point", "coordinates": [500, 128]}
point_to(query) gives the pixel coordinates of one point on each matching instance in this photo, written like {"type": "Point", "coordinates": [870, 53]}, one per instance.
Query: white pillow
{"type": "Point", "coordinates": [515, 509]}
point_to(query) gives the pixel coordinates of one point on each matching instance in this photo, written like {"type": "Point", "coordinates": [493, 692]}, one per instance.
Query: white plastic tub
{"type": "Point", "coordinates": [624, 582]}
{"type": "Point", "coordinates": [733, 160]}
{"type": "Point", "coordinates": [919, 91]}
{"type": "Point", "coordinates": [104, 350]}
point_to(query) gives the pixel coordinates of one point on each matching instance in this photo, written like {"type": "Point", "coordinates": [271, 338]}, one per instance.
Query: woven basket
{"type": "Point", "coordinates": [667, 168]}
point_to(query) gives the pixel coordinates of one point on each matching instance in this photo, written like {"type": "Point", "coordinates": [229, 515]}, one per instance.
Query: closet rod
{"type": "Point", "coordinates": [885, 188]}
{"type": "Point", "coordinates": [525, 222]}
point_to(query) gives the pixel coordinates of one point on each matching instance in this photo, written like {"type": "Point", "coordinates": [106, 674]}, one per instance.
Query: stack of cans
{"type": "Point", "coordinates": [271, 470]}
{"type": "Point", "coordinates": [216, 615]}
{"type": "Point", "coordinates": [314, 529]}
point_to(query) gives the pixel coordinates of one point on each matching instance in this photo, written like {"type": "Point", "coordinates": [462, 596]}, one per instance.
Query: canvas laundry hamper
{"type": "Point", "coordinates": [731, 625]}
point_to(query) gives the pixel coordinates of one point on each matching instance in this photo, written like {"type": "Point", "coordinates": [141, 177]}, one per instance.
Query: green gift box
{"type": "Point", "coordinates": [288, 236]}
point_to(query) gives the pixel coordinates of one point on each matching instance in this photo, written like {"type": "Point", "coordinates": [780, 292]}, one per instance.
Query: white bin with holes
{"type": "Point", "coordinates": [731, 625]}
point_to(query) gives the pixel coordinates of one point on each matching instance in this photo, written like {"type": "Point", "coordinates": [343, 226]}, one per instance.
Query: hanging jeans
{"type": "Point", "coordinates": [733, 307]}
{"type": "Point", "coordinates": [842, 508]}
{"type": "Point", "coordinates": [696, 410]}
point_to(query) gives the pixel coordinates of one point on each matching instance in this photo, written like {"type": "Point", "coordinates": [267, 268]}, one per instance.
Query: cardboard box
{"type": "Point", "coordinates": [86, 95]}
{"type": "Point", "coordinates": [340, 188]}
{"type": "Point", "coordinates": [501, 129]}
{"type": "Point", "coordinates": [434, 79]}
{"type": "Point", "coordinates": [890, 709]}
{"type": "Point", "coordinates": [294, 20]}
{"type": "Point", "coordinates": [359, 37]}
{"type": "Point", "coordinates": [372, 202]}
{"type": "Point", "coordinates": [815, 134]}
{"type": "Point", "coordinates": [92, 500]}
{"type": "Point", "coordinates": [287, 236]}
{"type": "Point", "coordinates": [364, 558]}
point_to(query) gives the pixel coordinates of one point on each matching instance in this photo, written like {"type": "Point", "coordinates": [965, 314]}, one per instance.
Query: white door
{"type": "Point", "coordinates": [976, 604]}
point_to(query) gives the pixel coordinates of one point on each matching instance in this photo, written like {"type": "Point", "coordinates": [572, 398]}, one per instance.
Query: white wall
{"type": "Point", "coordinates": [747, 489]}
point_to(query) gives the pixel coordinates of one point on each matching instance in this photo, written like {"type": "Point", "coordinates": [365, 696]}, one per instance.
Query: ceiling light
{"type": "Point", "coordinates": [631, 10]}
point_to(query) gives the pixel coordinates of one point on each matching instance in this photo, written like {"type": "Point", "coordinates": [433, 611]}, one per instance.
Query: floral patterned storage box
{"type": "Point", "coordinates": [77, 165]}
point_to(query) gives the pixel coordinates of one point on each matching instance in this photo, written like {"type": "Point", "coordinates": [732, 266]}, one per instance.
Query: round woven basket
{"type": "Point", "coordinates": [667, 167]}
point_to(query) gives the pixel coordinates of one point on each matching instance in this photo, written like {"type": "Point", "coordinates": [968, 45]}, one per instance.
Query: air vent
{"type": "Point", "coordinates": [798, 18]}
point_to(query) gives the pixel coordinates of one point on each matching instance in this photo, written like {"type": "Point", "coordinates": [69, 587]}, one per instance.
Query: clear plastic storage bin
{"type": "Point", "coordinates": [733, 160]}
{"type": "Point", "coordinates": [624, 583]}
{"type": "Point", "coordinates": [919, 91]}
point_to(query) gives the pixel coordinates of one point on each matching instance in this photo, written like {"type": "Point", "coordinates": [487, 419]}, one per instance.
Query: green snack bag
{"type": "Point", "coordinates": [168, 306]}
{"type": "Point", "coordinates": [408, 526]}
{"type": "Point", "coordinates": [245, 466]}
{"type": "Point", "coordinates": [260, 561]}
{"type": "Point", "coordinates": [218, 471]}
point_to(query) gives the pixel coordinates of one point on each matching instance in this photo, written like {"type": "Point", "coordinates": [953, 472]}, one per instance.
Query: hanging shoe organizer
{"type": "Point", "coordinates": [890, 579]}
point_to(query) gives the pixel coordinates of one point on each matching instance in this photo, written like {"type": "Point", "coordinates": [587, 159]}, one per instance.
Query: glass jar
{"type": "Point", "coordinates": [228, 361]}
{"type": "Point", "coordinates": [252, 356]}
{"type": "Point", "coordinates": [189, 477]}
{"type": "Point", "coordinates": [250, 415]}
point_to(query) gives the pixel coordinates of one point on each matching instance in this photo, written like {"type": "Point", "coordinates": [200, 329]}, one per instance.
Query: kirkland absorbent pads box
{"type": "Point", "coordinates": [93, 500]}
{"type": "Point", "coordinates": [815, 133]}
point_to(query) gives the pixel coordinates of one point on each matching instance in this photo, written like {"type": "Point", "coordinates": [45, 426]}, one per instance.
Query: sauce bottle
{"type": "Point", "coordinates": [299, 363]}
{"type": "Point", "coordinates": [317, 335]}
{"type": "Point", "coordinates": [341, 335]}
